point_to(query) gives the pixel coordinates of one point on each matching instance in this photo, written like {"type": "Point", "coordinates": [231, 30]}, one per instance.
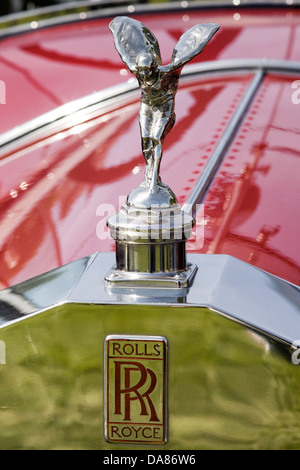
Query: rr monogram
{"type": "Point", "coordinates": [136, 389]}
{"type": "Point", "coordinates": [131, 389]}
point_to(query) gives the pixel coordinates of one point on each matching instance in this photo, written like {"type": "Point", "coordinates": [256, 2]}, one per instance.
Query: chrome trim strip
{"type": "Point", "coordinates": [268, 65]}
{"type": "Point", "coordinates": [42, 292]}
{"type": "Point", "coordinates": [219, 153]}
{"type": "Point", "coordinates": [223, 284]}
{"type": "Point", "coordinates": [66, 113]}
{"type": "Point", "coordinates": [262, 67]}
{"type": "Point", "coordinates": [63, 6]}
{"type": "Point", "coordinates": [93, 9]}
{"type": "Point", "coordinates": [61, 13]}
{"type": "Point", "coordinates": [101, 98]}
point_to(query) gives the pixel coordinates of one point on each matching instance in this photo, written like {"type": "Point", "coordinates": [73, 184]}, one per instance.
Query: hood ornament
{"type": "Point", "coordinates": [151, 229]}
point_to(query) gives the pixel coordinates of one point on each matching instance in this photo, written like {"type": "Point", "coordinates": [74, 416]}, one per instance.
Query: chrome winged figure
{"type": "Point", "coordinates": [139, 50]}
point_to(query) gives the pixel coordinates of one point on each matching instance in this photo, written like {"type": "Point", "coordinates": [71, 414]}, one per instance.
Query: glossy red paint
{"type": "Point", "coordinates": [56, 193]}
{"type": "Point", "coordinates": [38, 67]}
{"type": "Point", "coordinates": [252, 207]}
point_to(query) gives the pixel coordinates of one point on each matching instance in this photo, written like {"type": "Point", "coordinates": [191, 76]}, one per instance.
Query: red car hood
{"type": "Point", "coordinates": [57, 189]}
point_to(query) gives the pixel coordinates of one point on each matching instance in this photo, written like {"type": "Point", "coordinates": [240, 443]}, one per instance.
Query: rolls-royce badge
{"type": "Point", "coordinates": [136, 389]}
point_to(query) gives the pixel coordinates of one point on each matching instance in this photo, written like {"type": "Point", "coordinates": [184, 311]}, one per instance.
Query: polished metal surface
{"type": "Point", "coordinates": [42, 292]}
{"type": "Point", "coordinates": [150, 246]}
{"type": "Point", "coordinates": [150, 229]}
{"type": "Point", "coordinates": [228, 388]}
{"type": "Point", "coordinates": [70, 112]}
{"type": "Point", "coordinates": [139, 50]}
{"type": "Point", "coordinates": [92, 9]}
{"type": "Point", "coordinates": [233, 339]}
{"type": "Point", "coordinates": [223, 284]}
{"type": "Point", "coordinates": [179, 278]}
{"type": "Point", "coordinates": [135, 389]}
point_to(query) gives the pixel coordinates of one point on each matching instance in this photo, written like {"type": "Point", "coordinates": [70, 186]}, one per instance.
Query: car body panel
{"type": "Point", "coordinates": [46, 60]}
{"type": "Point", "coordinates": [46, 223]}
{"type": "Point", "coordinates": [245, 206]}
{"type": "Point", "coordinates": [70, 154]}
{"type": "Point", "coordinates": [225, 390]}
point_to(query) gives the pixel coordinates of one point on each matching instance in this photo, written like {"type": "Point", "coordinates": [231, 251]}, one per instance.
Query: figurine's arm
{"type": "Point", "coordinates": [190, 44]}
{"type": "Point", "coordinates": [132, 38]}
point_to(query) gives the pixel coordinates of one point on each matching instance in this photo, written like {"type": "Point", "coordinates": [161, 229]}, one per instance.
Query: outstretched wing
{"type": "Point", "coordinates": [131, 38]}
{"type": "Point", "coordinates": [191, 43]}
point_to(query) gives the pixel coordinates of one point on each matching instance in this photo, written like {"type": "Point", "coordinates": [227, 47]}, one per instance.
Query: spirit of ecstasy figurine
{"type": "Point", "coordinates": [151, 229]}
{"type": "Point", "coordinates": [139, 50]}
